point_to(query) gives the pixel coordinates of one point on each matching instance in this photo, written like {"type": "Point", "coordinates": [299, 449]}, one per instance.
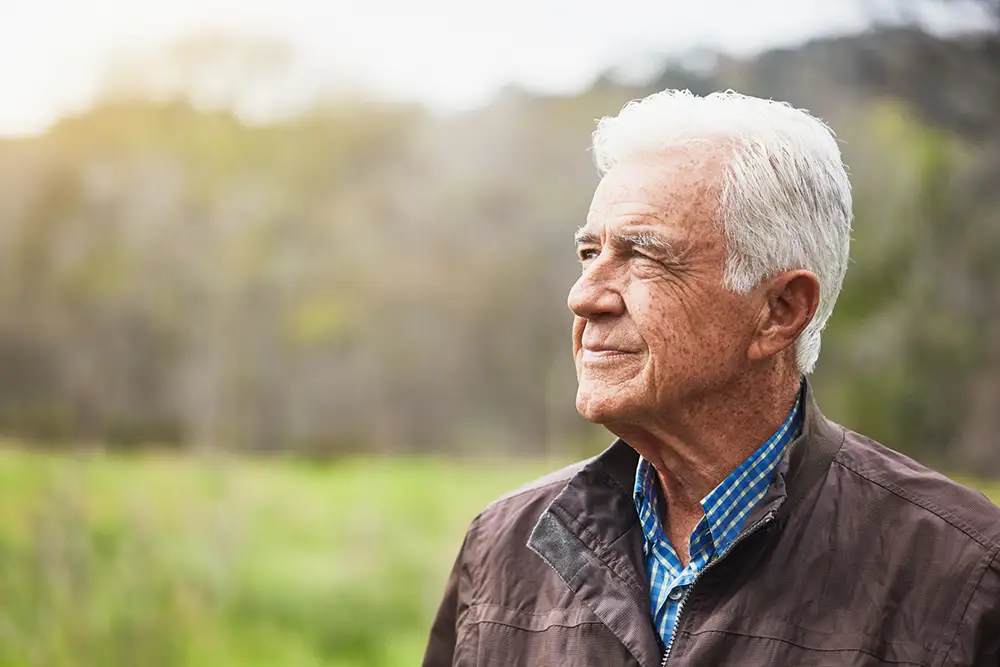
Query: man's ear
{"type": "Point", "coordinates": [790, 302]}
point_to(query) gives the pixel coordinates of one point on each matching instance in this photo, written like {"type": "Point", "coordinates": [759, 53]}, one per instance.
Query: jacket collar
{"type": "Point", "coordinates": [590, 534]}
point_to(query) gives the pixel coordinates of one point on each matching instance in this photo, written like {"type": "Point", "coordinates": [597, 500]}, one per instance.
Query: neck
{"type": "Point", "coordinates": [696, 446]}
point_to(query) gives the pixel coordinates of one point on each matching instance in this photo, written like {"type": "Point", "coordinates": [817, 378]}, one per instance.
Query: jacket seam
{"type": "Point", "coordinates": [953, 521]}
{"type": "Point", "coordinates": [523, 629]}
{"type": "Point", "coordinates": [520, 611]}
{"type": "Point", "coordinates": [806, 648]}
{"type": "Point", "coordinates": [951, 643]}
{"type": "Point", "coordinates": [624, 574]}
{"type": "Point", "coordinates": [618, 484]}
{"type": "Point", "coordinates": [581, 530]}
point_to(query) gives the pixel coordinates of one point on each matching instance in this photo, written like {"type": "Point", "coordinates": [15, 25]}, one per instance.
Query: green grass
{"type": "Point", "coordinates": [167, 561]}
{"type": "Point", "coordinates": [163, 561]}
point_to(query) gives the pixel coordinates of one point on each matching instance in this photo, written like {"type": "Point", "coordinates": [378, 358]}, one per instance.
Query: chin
{"type": "Point", "coordinates": [601, 407]}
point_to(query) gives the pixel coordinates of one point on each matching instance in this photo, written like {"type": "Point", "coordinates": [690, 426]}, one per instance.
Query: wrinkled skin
{"type": "Point", "coordinates": [675, 330]}
{"type": "Point", "coordinates": [691, 374]}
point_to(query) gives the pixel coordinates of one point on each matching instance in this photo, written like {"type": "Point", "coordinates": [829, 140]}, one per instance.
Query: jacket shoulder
{"type": "Point", "coordinates": [959, 509]}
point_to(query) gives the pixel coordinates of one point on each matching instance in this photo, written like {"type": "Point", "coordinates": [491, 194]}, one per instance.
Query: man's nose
{"type": "Point", "coordinates": [596, 293]}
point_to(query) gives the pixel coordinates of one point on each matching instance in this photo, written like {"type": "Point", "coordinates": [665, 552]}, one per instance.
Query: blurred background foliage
{"type": "Point", "coordinates": [375, 294]}
{"type": "Point", "coordinates": [372, 277]}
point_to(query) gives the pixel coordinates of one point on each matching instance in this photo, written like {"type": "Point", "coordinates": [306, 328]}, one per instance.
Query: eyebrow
{"type": "Point", "coordinates": [640, 239]}
{"type": "Point", "coordinates": [644, 240]}
{"type": "Point", "coordinates": [582, 236]}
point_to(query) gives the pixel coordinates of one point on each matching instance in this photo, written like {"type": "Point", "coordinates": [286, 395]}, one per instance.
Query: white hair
{"type": "Point", "coordinates": [785, 195]}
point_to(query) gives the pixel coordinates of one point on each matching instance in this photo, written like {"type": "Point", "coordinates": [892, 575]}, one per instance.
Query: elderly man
{"type": "Point", "coordinates": [730, 523]}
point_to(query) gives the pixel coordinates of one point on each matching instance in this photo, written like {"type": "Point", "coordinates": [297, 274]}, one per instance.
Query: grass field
{"type": "Point", "coordinates": [163, 561]}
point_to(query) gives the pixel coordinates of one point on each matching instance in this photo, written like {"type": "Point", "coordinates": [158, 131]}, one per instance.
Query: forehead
{"type": "Point", "coordinates": [677, 191]}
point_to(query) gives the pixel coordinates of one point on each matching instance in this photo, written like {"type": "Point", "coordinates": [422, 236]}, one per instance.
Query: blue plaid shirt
{"type": "Point", "coordinates": [726, 508]}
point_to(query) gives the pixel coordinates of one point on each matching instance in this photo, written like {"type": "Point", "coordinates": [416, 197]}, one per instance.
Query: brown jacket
{"type": "Point", "coordinates": [856, 556]}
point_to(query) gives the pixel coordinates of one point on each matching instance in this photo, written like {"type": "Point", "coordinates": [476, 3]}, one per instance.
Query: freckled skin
{"type": "Point", "coordinates": [686, 326]}
{"type": "Point", "coordinates": [691, 375]}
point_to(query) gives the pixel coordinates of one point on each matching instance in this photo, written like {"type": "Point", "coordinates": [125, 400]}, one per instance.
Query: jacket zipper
{"type": "Point", "coordinates": [767, 518]}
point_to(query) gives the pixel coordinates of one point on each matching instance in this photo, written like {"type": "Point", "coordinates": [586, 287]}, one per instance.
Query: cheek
{"type": "Point", "coordinates": [729, 324]}
{"type": "Point", "coordinates": [662, 320]}
{"type": "Point", "coordinates": [686, 331]}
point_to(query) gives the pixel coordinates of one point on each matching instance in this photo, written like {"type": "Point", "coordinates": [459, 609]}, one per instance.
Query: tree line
{"type": "Point", "coordinates": [367, 277]}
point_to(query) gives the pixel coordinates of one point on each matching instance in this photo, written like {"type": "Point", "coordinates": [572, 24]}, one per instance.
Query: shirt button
{"type": "Point", "coordinates": [676, 594]}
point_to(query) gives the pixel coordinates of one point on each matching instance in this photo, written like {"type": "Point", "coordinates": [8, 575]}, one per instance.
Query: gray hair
{"type": "Point", "coordinates": [785, 200]}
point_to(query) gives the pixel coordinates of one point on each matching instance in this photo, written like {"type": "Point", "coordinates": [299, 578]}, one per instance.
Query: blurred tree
{"type": "Point", "coordinates": [955, 83]}
{"type": "Point", "coordinates": [369, 277]}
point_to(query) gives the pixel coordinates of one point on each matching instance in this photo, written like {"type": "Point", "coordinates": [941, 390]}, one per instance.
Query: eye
{"type": "Point", "coordinates": [586, 254]}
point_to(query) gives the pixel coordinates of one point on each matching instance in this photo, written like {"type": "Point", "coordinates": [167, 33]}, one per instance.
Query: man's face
{"type": "Point", "coordinates": [655, 328]}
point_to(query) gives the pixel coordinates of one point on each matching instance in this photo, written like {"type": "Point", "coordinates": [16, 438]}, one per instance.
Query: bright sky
{"type": "Point", "coordinates": [449, 54]}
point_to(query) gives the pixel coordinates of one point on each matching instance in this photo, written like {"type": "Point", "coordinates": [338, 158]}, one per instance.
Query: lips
{"type": "Point", "coordinates": [605, 347]}
{"type": "Point", "coordinates": [595, 353]}
{"type": "Point", "coordinates": [597, 344]}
